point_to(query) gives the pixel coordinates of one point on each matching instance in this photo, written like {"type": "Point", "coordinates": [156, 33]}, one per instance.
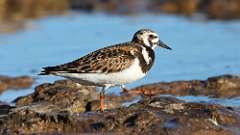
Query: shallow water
{"type": "Point", "coordinates": [200, 48]}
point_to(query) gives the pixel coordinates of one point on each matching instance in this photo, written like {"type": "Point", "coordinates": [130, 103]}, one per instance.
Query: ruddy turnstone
{"type": "Point", "coordinates": [114, 65]}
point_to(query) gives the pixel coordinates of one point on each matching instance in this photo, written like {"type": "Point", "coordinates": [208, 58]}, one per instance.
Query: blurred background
{"type": "Point", "coordinates": [204, 35]}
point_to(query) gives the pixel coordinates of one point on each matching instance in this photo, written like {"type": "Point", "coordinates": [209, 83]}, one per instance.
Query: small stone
{"type": "Point", "coordinates": [21, 82]}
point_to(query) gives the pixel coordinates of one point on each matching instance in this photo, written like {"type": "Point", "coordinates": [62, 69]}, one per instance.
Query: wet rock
{"type": "Point", "coordinates": [64, 94]}
{"type": "Point", "coordinates": [220, 86]}
{"type": "Point", "coordinates": [64, 107]}
{"type": "Point", "coordinates": [2, 9]}
{"type": "Point", "coordinates": [3, 86]}
{"type": "Point", "coordinates": [67, 95]}
{"type": "Point", "coordinates": [159, 115]}
{"type": "Point", "coordinates": [13, 13]}
{"type": "Point", "coordinates": [214, 9]}
{"type": "Point", "coordinates": [186, 7]}
{"type": "Point", "coordinates": [21, 82]}
{"type": "Point", "coordinates": [4, 108]}
{"type": "Point", "coordinates": [223, 9]}
{"type": "Point", "coordinates": [15, 10]}
{"type": "Point", "coordinates": [9, 27]}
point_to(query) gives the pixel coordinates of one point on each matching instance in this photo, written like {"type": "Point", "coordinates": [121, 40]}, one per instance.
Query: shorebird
{"type": "Point", "coordinates": [114, 65]}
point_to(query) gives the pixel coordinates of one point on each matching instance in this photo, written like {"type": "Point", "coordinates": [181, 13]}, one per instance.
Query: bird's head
{"type": "Point", "coordinates": [149, 38]}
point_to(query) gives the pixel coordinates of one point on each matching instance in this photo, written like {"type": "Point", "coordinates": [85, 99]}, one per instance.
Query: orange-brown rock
{"type": "Point", "coordinates": [224, 9]}
{"type": "Point", "coordinates": [12, 10]}
{"type": "Point", "coordinates": [21, 82]}
{"type": "Point", "coordinates": [220, 86]}
{"type": "Point", "coordinates": [187, 7]}
{"type": "Point", "coordinates": [216, 9]}
{"type": "Point", "coordinates": [3, 10]}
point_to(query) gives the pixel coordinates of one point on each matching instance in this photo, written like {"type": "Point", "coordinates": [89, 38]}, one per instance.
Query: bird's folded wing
{"type": "Point", "coordinates": [107, 60]}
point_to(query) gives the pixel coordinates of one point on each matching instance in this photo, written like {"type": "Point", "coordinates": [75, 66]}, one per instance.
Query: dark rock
{"type": "Point", "coordinates": [186, 7]}
{"type": "Point", "coordinates": [16, 10]}
{"type": "Point", "coordinates": [70, 96]}
{"type": "Point", "coordinates": [13, 13]}
{"type": "Point", "coordinates": [65, 107]}
{"type": "Point", "coordinates": [4, 108]}
{"type": "Point", "coordinates": [214, 9]}
{"type": "Point", "coordinates": [220, 86]}
{"type": "Point", "coordinates": [223, 9]}
{"type": "Point", "coordinates": [64, 94]}
{"type": "Point", "coordinates": [164, 115]}
{"type": "Point", "coordinates": [3, 86]}
{"type": "Point", "coordinates": [21, 82]}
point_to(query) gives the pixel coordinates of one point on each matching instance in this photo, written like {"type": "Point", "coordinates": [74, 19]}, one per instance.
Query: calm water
{"type": "Point", "coordinates": [200, 48]}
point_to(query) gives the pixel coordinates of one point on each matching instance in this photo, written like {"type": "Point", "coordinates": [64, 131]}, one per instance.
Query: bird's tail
{"type": "Point", "coordinates": [48, 71]}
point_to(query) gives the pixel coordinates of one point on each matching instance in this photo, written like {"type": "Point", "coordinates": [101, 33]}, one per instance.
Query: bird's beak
{"type": "Point", "coordinates": [163, 45]}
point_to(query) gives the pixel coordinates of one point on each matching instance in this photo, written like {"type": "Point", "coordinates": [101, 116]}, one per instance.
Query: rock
{"type": "Point", "coordinates": [13, 13]}
{"type": "Point", "coordinates": [159, 115]}
{"type": "Point", "coordinates": [4, 108]}
{"type": "Point", "coordinates": [223, 9]}
{"type": "Point", "coordinates": [16, 10]}
{"type": "Point", "coordinates": [213, 9]}
{"type": "Point", "coordinates": [65, 94]}
{"type": "Point", "coordinates": [3, 86]}
{"type": "Point", "coordinates": [3, 6]}
{"type": "Point", "coordinates": [220, 86]}
{"type": "Point", "coordinates": [186, 7]}
{"type": "Point", "coordinates": [64, 107]}
{"type": "Point", "coordinates": [21, 82]}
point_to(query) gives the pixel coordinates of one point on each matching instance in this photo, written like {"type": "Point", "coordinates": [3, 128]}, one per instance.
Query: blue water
{"type": "Point", "coordinates": [200, 48]}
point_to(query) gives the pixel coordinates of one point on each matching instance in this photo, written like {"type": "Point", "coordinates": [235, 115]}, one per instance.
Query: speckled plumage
{"type": "Point", "coordinates": [106, 60]}
{"type": "Point", "coordinates": [114, 65]}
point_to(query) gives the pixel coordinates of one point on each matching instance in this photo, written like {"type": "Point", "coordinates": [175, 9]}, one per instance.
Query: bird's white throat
{"type": "Point", "coordinates": [146, 56]}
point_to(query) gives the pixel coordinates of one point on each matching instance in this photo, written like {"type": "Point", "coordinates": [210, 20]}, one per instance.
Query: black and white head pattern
{"type": "Point", "coordinates": [147, 37]}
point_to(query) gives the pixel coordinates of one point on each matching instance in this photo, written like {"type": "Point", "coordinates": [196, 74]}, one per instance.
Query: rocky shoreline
{"type": "Point", "coordinates": [212, 9]}
{"type": "Point", "coordinates": [225, 86]}
{"type": "Point", "coordinates": [14, 13]}
{"type": "Point", "coordinates": [64, 107]}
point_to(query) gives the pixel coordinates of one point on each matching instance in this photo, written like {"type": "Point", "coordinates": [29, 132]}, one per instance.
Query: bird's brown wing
{"type": "Point", "coordinates": [106, 60]}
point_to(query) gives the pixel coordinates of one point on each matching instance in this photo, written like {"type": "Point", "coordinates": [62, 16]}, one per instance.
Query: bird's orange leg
{"type": "Point", "coordinates": [101, 101]}
{"type": "Point", "coordinates": [102, 94]}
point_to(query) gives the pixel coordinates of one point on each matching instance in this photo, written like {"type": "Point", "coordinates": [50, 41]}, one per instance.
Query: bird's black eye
{"type": "Point", "coordinates": [151, 36]}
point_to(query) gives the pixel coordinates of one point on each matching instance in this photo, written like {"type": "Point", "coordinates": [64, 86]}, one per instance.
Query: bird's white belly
{"type": "Point", "coordinates": [128, 75]}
